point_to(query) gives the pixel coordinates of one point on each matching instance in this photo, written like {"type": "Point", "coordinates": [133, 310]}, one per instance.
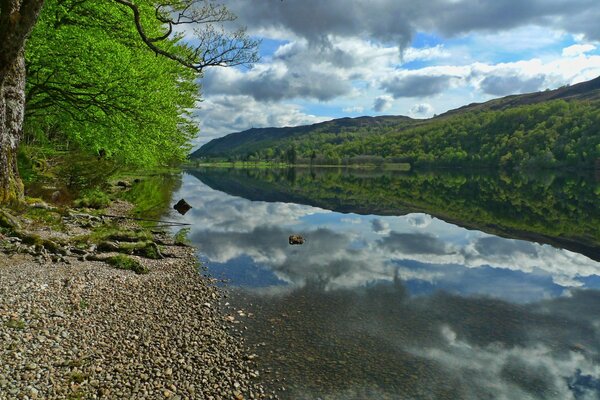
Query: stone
{"type": "Point", "coordinates": [182, 207]}
{"type": "Point", "coordinates": [295, 240]}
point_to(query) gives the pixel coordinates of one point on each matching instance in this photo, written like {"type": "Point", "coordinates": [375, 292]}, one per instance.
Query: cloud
{"type": "Point", "coordinates": [577, 49]}
{"type": "Point", "coordinates": [276, 81]}
{"type": "Point", "coordinates": [397, 20]}
{"type": "Point", "coordinates": [425, 54]}
{"type": "Point", "coordinates": [422, 109]}
{"type": "Point", "coordinates": [414, 243]}
{"type": "Point", "coordinates": [220, 115]}
{"type": "Point", "coordinates": [419, 220]}
{"type": "Point", "coordinates": [499, 85]}
{"type": "Point", "coordinates": [383, 103]}
{"type": "Point", "coordinates": [353, 109]}
{"type": "Point", "coordinates": [379, 226]}
{"type": "Point", "coordinates": [414, 85]}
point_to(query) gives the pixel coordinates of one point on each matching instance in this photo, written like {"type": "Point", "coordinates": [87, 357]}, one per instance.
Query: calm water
{"type": "Point", "coordinates": [409, 286]}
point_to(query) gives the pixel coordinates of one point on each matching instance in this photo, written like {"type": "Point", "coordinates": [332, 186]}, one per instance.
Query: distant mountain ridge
{"type": "Point", "coordinates": [588, 90]}
{"type": "Point", "coordinates": [224, 145]}
{"type": "Point", "coordinates": [443, 138]}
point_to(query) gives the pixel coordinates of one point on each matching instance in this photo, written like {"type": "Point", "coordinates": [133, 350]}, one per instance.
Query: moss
{"type": "Point", "coordinates": [113, 231]}
{"type": "Point", "coordinates": [8, 221]}
{"type": "Point", "coordinates": [18, 324]}
{"type": "Point", "coordinates": [127, 263]}
{"type": "Point", "coordinates": [181, 237]}
{"type": "Point", "coordinates": [129, 235]}
{"type": "Point", "coordinates": [151, 250]}
{"type": "Point", "coordinates": [32, 239]}
{"type": "Point", "coordinates": [78, 377]}
{"type": "Point", "coordinates": [45, 217]}
{"type": "Point", "coordinates": [33, 200]}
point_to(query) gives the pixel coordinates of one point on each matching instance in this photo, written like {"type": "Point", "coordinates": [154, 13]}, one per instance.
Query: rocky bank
{"type": "Point", "coordinates": [71, 328]}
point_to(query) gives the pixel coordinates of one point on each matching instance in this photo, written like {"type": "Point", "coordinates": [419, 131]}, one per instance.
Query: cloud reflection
{"type": "Point", "coordinates": [344, 251]}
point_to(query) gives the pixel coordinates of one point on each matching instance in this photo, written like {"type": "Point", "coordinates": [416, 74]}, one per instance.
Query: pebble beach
{"type": "Point", "coordinates": [79, 329]}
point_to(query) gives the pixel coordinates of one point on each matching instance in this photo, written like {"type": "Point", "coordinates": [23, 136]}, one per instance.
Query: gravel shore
{"type": "Point", "coordinates": [86, 330]}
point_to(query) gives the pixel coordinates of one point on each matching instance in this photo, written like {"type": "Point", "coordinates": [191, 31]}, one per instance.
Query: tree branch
{"type": "Point", "coordinates": [218, 48]}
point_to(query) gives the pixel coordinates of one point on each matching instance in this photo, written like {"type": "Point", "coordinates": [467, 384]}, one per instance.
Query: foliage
{"type": "Point", "coordinates": [92, 84]}
{"type": "Point", "coordinates": [544, 135]}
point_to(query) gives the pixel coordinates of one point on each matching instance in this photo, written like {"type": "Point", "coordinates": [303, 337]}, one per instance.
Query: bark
{"type": "Point", "coordinates": [12, 111]}
{"type": "Point", "coordinates": [17, 18]}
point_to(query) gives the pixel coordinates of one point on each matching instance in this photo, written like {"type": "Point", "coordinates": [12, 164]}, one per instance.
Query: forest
{"type": "Point", "coordinates": [550, 134]}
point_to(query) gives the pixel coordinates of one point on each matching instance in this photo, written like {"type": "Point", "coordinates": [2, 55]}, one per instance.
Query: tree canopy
{"type": "Point", "coordinates": [94, 85]}
{"type": "Point", "coordinates": [115, 77]}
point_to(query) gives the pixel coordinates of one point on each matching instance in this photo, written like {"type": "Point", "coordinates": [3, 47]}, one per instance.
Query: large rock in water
{"type": "Point", "coordinates": [296, 239]}
{"type": "Point", "coordinates": [182, 207]}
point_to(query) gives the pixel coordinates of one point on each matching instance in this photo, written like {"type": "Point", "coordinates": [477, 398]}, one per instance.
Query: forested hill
{"type": "Point", "coordinates": [254, 139]}
{"type": "Point", "coordinates": [553, 128]}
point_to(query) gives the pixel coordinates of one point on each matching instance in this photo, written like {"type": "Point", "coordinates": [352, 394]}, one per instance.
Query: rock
{"type": "Point", "coordinates": [296, 239]}
{"type": "Point", "coordinates": [182, 207]}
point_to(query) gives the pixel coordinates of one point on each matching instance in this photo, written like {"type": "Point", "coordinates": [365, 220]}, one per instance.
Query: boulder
{"type": "Point", "coordinates": [182, 207]}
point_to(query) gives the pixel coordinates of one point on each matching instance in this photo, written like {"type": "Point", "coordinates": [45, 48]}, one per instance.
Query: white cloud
{"type": "Point", "coordinates": [380, 226]}
{"type": "Point", "coordinates": [353, 109]}
{"type": "Point", "coordinates": [577, 49]}
{"type": "Point", "coordinates": [220, 115]}
{"type": "Point", "coordinates": [425, 53]}
{"type": "Point", "coordinates": [421, 110]}
{"type": "Point", "coordinates": [382, 103]}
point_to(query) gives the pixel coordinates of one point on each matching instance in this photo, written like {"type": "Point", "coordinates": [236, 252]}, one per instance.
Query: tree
{"type": "Point", "coordinates": [17, 18]}
{"type": "Point", "coordinates": [291, 155]}
{"type": "Point", "coordinates": [86, 81]}
{"type": "Point", "coordinates": [214, 46]}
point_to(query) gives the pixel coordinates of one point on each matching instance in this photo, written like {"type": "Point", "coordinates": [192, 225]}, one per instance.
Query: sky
{"type": "Point", "coordinates": [325, 59]}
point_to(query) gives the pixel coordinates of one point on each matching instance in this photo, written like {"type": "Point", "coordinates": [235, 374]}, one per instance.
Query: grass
{"type": "Point", "coordinates": [127, 263]}
{"type": "Point", "coordinates": [93, 198]}
{"type": "Point", "coordinates": [51, 219]}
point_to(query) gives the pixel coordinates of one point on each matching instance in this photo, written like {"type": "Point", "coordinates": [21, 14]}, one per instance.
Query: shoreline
{"type": "Point", "coordinates": [82, 329]}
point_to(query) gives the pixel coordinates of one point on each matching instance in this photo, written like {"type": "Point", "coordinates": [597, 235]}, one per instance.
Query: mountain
{"type": "Point", "coordinates": [253, 139]}
{"type": "Point", "coordinates": [589, 90]}
{"type": "Point", "coordinates": [553, 128]}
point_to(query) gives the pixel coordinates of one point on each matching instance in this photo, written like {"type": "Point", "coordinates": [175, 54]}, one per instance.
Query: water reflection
{"type": "Point", "coordinates": [406, 306]}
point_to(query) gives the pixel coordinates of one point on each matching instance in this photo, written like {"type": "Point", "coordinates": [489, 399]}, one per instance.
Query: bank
{"type": "Point", "coordinates": [73, 326]}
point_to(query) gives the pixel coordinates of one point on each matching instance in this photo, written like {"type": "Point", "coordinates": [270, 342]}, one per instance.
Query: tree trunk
{"type": "Point", "coordinates": [12, 111]}
{"type": "Point", "coordinates": [17, 19]}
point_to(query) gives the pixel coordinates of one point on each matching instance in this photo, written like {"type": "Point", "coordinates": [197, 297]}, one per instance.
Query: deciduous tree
{"type": "Point", "coordinates": [211, 45]}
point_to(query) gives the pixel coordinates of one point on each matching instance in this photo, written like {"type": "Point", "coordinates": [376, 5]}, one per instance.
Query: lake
{"type": "Point", "coordinates": [432, 285]}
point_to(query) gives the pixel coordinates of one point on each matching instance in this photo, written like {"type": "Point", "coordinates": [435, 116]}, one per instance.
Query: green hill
{"type": "Point", "coordinates": [553, 128]}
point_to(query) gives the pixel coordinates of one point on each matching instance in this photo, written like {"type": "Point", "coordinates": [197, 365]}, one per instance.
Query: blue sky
{"type": "Point", "coordinates": [337, 58]}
